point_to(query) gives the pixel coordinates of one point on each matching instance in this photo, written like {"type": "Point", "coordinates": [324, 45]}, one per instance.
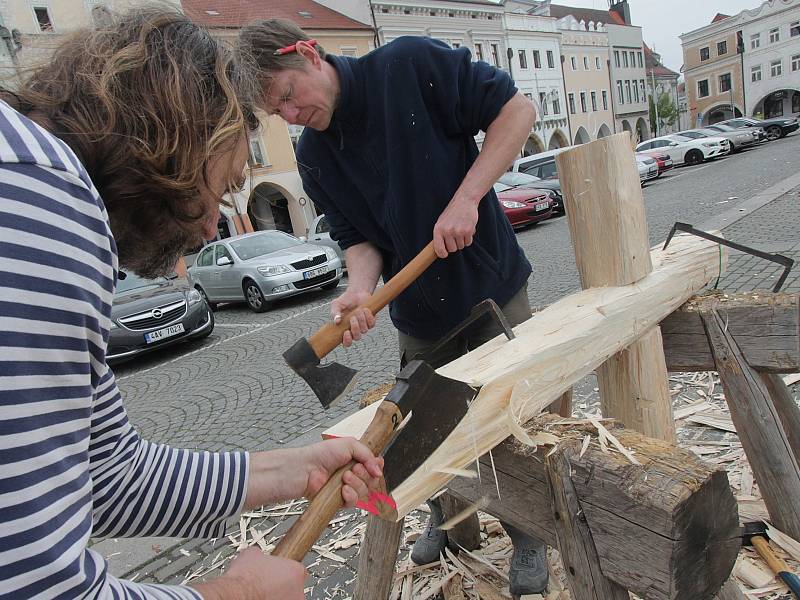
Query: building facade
{"type": "Point", "coordinates": [661, 83]}
{"type": "Point", "coordinates": [587, 78]}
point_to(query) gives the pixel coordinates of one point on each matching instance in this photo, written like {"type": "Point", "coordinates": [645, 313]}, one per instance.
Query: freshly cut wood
{"type": "Point", "coordinates": [765, 326]}
{"type": "Point", "coordinates": [552, 351]}
{"type": "Point", "coordinates": [601, 178]}
{"type": "Point", "coordinates": [667, 529]}
{"type": "Point", "coordinates": [377, 557]}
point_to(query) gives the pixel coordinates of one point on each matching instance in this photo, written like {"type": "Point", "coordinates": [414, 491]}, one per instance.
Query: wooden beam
{"type": "Point", "coordinates": [788, 412]}
{"type": "Point", "coordinates": [766, 328]}
{"type": "Point", "coordinates": [759, 427]}
{"type": "Point", "coordinates": [667, 529]}
{"type": "Point", "coordinates": [377, 558]}
{"type": "Point", "coordinates": [608, 225]}
{"type": "Point", "coordinates": [553, 350]}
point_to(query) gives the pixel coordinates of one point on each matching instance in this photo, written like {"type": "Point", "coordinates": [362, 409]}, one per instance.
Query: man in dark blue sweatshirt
{"type": "Point", "coordinates": [389, 155]}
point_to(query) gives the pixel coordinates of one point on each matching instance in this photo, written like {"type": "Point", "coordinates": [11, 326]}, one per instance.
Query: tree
{"type": "Point", "coordinates": [667, 113]}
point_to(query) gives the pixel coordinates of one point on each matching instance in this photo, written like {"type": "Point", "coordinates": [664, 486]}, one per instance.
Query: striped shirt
{"type": "Point", "coordinates": [71, 464]}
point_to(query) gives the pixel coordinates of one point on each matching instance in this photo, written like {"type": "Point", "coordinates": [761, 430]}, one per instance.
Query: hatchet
{"type": "Point", "coordinates": [435, 403]}
{"type": "Point", "coordinates": [332, 381]}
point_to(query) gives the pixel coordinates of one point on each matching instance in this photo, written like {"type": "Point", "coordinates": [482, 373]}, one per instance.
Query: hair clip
{"type": "Point", "coordinates": [293, 48]}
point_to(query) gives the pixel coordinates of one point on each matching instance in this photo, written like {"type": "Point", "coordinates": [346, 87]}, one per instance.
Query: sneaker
{"type": "Point", "coordinates": [528, 571]}
{"type": "Point", "coordinates": [433, 540]}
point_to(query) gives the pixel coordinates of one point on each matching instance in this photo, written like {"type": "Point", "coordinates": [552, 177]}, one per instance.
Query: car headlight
{"type": "Point", "coordinates": [274, 270]}
{"type": "Point", "coordinates": [193, 297]}
{"type": "Point", "coordinates": [330, 253]}
{"type": "Point", "coordinates": [710, 144]}
{"type": "Point", "coordinates": [512, 204]}
{"type": "Point", "coordinates": [113, 326]}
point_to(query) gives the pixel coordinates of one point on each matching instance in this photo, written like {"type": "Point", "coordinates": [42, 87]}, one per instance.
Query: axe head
{"type": "Point", "coordinates": [437, 404]}
{"type": "Point", "coordinates": [753, 529]}
{"type": "Point", "coordinates": [329, 382]}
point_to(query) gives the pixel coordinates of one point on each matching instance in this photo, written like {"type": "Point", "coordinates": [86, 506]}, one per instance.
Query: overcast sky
{"type": "Point", "coordinates": [663, 21]}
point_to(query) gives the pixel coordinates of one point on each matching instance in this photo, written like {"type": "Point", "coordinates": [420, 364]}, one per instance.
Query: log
{"type": "Point", "coordinates": [601, 178]}
{"type": "Point", "coordinates": [377, 558]}
{"type": "Point", "coordinates": [759, 427]}
{"type": "Point", "coordinates": [668, 529]}
{"type": "Point", "coordinates": [552, 351]}
{"type": "Point", "coordinates": [788, 412]}
{"type": "Point", "coordinates": [765, 326]}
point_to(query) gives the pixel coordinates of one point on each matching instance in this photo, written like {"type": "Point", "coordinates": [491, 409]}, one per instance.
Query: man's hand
{"type": "Point", "coordinates": [456, 227]}
{"type": "Point", "coordinates": [325, 458]}
{"type": "Point", "coordinates": [361, 321]}
{"type": "Point", "coordinates": [253, 575]}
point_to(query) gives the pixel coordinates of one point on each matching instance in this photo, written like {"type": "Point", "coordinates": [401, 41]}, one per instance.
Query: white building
{"type": "Point", "coordinates": [661, 81]}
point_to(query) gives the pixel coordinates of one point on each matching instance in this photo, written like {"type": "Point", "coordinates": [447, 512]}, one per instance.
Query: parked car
{"type": "Point", "coordinates": [524, 180]}
{"type": "Point", "coordinates": [757, 132]}
{"type": "Point", "coordinates": [262, 267]}
{"type": "Point", "coordinates": [774, 128]}
{"type": "Point", "coordinates": [739, 140]}
{"type": "Point", "coordinates": [664, 161]}
{"type": "Point", "coordinates": [524, 206]}
{"type": "Point", "coordinates": [684, 150]}
{"type": "Point", "coordinates": [152, 313]}
{"type": "Point", "coordinates": [542, 165]}
{"type": "Point", "coordinates": [648, 168]}
{"type": "Point", "coordinates": [319, 235]}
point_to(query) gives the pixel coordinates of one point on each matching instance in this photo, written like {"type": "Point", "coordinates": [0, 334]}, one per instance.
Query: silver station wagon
{"type": "Point", "coordinates": [262, 267]}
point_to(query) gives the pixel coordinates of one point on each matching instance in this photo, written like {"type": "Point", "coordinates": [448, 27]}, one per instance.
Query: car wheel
{"type": "Point", "coordinates": [254, 297]}
{"type": "Point", "coordinates": [330, 286]}
{"type": "Point", "coordinates": [694, 157]}
{"type": "Point", "coordinates": [774, 133]}
{"type": "Point", "coordinates": [211, 305]}
{"type": "Point", "coordinates": [733, 148]}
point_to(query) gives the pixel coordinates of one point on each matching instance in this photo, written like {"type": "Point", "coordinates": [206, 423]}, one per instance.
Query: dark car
{"type": "Point", "coordinates": [775, 128]}
{"type": "Point", "coordinates": [524, 206]}
{"type": "Point", "coordinates": [516, 179]}
{"type": "Point", "coordinates": [153, 313]}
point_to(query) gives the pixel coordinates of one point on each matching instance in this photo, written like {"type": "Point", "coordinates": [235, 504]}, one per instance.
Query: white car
{"type": "Point", "coordinates": [648, 168]}
{"type": "Point", "coordinates": [684, 150]}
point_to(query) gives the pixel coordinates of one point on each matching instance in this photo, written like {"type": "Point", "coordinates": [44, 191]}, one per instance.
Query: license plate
{"type": "Point", "coordinates": [315, 272]}
{"type": "Point", "coordinates": [162, 334]}
{"type": "Point", "coordinates": [542, 206]}
{"type": "Point", "coordinates": [667, 163]}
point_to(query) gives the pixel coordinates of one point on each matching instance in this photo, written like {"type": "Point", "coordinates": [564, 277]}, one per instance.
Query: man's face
{"type": "Point", "coordinates": [303, 96]}
{"type": "Point", "coordinates": [149, 258]}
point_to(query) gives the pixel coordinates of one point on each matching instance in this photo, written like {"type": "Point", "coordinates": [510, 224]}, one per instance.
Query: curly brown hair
{"type": "Point", "coordinates": [145, 103]}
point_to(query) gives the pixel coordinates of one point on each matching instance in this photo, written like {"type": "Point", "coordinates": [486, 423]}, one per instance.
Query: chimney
{"type": "Point", "coordinates": [622, 8]}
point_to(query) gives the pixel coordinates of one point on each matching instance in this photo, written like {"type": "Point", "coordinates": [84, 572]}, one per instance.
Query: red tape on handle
{"type": "Point", "coordinates": [371, 507]}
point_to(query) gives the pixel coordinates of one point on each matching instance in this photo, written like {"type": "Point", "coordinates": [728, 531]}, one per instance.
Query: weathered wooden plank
{"type": "Point", "coordinates": [377, 559]}
{"type": "Point", "coordinates": [788, 412]}
{"type": "Point", "coordinates": [562, 406]}
{"type": "Point", "coordinates": [765, 326]}
{"type": "Point", "coordinates": [759, 427]}
{"type": "Point", "coordinates": [608, 226]}
{"type": "Point", "coordinates": [667, 529]}
{"type": "Point", "coordinates": [730, 591]}
{"type": "Point", "coordinates": [575, 543]}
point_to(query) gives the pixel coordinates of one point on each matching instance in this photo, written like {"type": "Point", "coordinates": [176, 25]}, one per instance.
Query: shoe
{"type": "Point", "coordinates": [433, 540]}
{"type": "Point", "coordinates": [528, 571]}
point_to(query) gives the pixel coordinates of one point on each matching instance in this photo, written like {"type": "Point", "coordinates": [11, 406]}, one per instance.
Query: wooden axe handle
{"type": "Point", "coordinates": [329, 335]}
{"type": "Point", "coordinates": [328, 501]}
{"type": "Point", "coordinates": [775, 563]}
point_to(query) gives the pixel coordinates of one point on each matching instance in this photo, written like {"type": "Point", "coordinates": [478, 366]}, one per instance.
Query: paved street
{"type": "Point", "coordinates": [232, 390]}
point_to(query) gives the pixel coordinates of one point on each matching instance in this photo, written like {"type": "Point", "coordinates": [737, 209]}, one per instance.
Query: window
{"type": "Point", "coordinates": [529, 96]}
{"type": "Point", "coordinates": [628, 91]}
{"type": "Point", "coordinates": [594, 101]}
{"type": "Point", "coordinates": [456, 44]}
{"type": "Point", "coordinates": [322, 225]}
{"type": "Point", "coordinates": [796, 64]}
{"type": "Point", "coordinates": [794, 29]}
{"type": "Point", "coordinates": [620, 96]}
{"type": "Point", "coordinates": [616, 58]}
{"type": "Point", "coordinates": [641, 89]}
{"type": "Point", "coordinates": [702, 88]}
{"type": "Point", "coordinates": [755, 73]}
{"type": "Point", "coordinates": [633, 59]}
{"type": "Point", "coordinates": [605, 100]}
{"type": "Point", "coordinates": [722, 48]}
{"type": "Point", "coordinates": [550, 60]}
{"type": "Point", "coordinates": [556, 104]}
{"type": "Point", "coordinates": [523, 59]}
{"type": "Point", "coordinates": [725, 83]}
{"type": "Point", "coordinates": [478, 51]}
{"type": "Point", "coordinates": [495, 55]}
{"type": "Point", "coordinates": [543, 102]}
{"type": "Point", "coordinates": [43, 19]}
{"type": "Point", "coordinates": [635, 93]}
{"type": "Point", "coordinates": [222, 252]}
{"type": "Point", "coordinates": [625, 60]}
{"type": "Point", "coordinates": [774, 36]}
{"type": "Point", "coordinates": [256, 153]}
{"type": "Point", "coordinates": [586, 63]}
{"type": "Point", "coordinates": [776, 68]}
{"type": "Point", "coordinates": [537, 60]}
{"type": "Point", "coordinates": [583, 102]}
{"type": "Point", "coordinates": [705, 54]}
{"type": "Point", "coordinates": [348, 51]}
{"type": "Point", "coordinates": [571, 100]}
{"type": "Point", "coordinates": [574, 63]}
{"type": "Point", "coordinates": [206, 258]}
{"type": "Point", "coordinates": [641, 61]}
{"type": "Point", "coordinates": [755, 41]}
{"type": "Point", "coordinates": [597, 62]}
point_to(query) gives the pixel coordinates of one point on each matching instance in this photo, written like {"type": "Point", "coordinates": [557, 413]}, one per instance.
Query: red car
{"type": "Point", "coordinates": [524, 206]}
{"type": "Point", "coordinates": [664, 161]}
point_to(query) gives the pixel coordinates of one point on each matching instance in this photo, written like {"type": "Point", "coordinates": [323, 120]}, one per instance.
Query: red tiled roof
{"type": "Point", "coordinates": [719, 17]}
{"type": "Point", "coordinates": [655, 67]}
{"type": "Point", "coordinates": [586, 14]}
{"type": "Point", "coordinates": [237, 13]}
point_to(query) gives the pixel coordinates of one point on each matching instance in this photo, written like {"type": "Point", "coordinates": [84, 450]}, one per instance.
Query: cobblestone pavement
{"type": "Point", "coordinates": [233, 391]}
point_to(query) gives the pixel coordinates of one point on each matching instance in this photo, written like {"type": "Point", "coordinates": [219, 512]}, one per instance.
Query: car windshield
{"type": "Point", "coordinates": [679, 138]}
{"type": "Point", "coordinates": [693, 134]}
{"type": "Point", "coordinates": [514, 179]}
{"type": "Point", "coordinates": [263, 243]}
{"type": "Point", "coordinates": [501, 187]}
{"type": "Point", "coordinates": [721, 127]}
{"type": "Point", "coordinates": [133, 282]}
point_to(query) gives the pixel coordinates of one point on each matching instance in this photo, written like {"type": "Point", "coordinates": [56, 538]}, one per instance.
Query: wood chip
{"type": "Point", "coordinates": [791, 379]}
{"type": "Point", "coordinates": [487, 591]}
{"type": "Point", "coordinates": [605, 434]}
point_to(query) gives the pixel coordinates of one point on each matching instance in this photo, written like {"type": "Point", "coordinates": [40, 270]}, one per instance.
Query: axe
{"type": "Point", "coordinates": [332, 381]}
{"type": "Point", "coordinates": [435, 403]}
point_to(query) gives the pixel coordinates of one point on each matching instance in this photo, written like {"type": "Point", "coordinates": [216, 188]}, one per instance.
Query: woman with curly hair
{"type": "Point", "coordinates": [117, 154]}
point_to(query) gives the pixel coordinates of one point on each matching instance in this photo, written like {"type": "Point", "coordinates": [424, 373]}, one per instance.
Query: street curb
{"type": "Point", "coordinates": [731, 216]}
